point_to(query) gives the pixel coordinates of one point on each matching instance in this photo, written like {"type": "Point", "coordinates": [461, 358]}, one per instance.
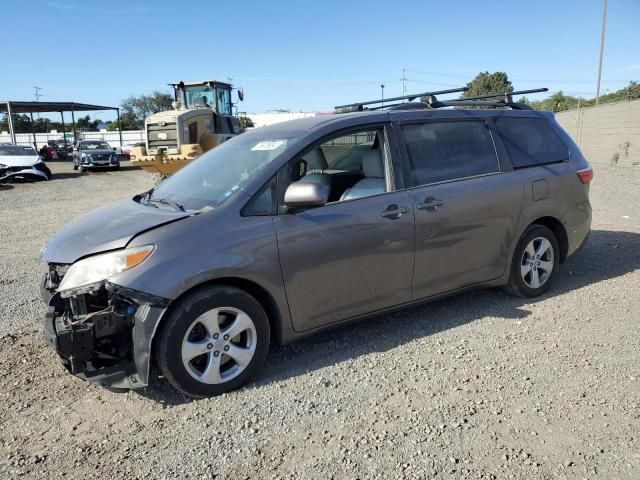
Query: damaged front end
{"type": "Point", "coordinates": [36, 172]}
{"type": "Point", "coordinates": [102, 332]}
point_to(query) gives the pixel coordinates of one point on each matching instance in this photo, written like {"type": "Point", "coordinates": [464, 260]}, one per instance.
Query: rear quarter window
{"type": "Point", "coordinates": [443, 151]}
{"type": "Point", "coordinates": [531, 141]}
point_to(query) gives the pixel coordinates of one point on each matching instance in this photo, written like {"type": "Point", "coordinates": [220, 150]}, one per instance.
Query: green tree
{"type": "Point", "coordinates": [485, 83]}
{"type": "Point", "coordinates": [21, 123]}
{"type": "Point", "coordinates": [127, 122]}
{"type": "Point", "coordinates": [631, 91]}
{"type": "Point", "coordinates": [85, 123]}
{"type": "Point", "coordinates": [136, 109]}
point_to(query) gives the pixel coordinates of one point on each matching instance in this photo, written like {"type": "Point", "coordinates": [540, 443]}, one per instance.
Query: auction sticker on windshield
{"type": "Point", "coordinates": [268, 144]}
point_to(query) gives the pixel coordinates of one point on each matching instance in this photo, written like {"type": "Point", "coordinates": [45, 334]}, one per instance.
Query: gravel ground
{"type": "Point", "coordinates": [480, 385]}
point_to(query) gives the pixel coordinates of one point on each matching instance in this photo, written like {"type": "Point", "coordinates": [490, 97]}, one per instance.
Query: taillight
{"type": "Point", "coordinates": [585, 175]}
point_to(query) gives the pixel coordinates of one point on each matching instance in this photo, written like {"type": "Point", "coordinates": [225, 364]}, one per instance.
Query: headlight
{"type": "Point", "coordinates": [100, 267]}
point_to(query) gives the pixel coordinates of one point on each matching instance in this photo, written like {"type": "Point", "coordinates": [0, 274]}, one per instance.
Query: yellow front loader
{"type": "Point", "coordinates": [201, 119]}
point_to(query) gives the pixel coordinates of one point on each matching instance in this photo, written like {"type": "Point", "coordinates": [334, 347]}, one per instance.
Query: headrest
{"type": "Point", "coordinates": [315, 160]}
{"type": "Point", "coordinates": [372, 164]}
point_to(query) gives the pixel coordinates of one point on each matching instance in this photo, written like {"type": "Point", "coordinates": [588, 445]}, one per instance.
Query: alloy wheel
{"type": "Point", "coordinates": [537, 262]}
{"type": "Point", "coordinates": [219, 345]}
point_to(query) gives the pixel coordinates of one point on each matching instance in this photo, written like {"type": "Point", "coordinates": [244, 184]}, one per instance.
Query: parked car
{"type": "Point", "coordinates": [259, 240]}
{"type": "Point", "coordinates": [126, 149]}
{"type": "Point", "coordinates": [61, 148]}
{"type": "Point", "coordinates": [17, 161]}
{"type": "Point", "coordinates": [92, 154]}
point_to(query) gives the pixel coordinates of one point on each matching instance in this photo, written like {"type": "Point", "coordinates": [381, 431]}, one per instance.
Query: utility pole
{"type": "Point", "coordinates": [404, 82]}
{"type": "Point", "coordinates": [382, 97]}
{"type": "Point", "coordinates": [38, 95]}
{"type": "Point", "coordinates": [604, 24]}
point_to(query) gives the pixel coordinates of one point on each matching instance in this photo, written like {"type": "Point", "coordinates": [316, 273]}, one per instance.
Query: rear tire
{"type": "Point", "coordinates": [535, 262]}
{"type": "Point", "coordinates": [194, 351]}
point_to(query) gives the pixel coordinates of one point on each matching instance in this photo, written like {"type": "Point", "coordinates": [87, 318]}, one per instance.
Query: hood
{"type": "Point", "coordinates": [19, 160]}
{"type": "Point", "coordinates": [106, 228]}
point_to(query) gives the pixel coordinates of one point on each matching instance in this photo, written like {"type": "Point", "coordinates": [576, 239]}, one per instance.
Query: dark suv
{"type": "Point", "coordinates": [94, 154]}
{"type": "Point", "coordinates": [288, 229]}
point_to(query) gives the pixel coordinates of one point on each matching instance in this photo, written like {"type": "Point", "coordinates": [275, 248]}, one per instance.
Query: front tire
{"type": "Point", "coordinates": [535, 262]}
{"type": "Point", "coordinates": [213, 341]}
{"type": "Point", "coordinates": [44, 169]}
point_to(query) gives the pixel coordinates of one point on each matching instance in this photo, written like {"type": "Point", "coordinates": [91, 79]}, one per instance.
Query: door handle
{"type": "Point", "coordinates": [394, 211]}
{"type": "Point", "coordinates": [430, 203]}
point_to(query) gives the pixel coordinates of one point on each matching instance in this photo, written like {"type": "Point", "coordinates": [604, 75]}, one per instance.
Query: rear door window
{"type": "Point", "coordinates": [531, 141]}
{"type": "Point", "coordinates": [441, 151]}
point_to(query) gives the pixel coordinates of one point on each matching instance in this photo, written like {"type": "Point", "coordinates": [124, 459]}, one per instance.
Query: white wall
{"type": "Point", "coordinates": [112, 138]}
{"type": "Point", "coordinates": [602, 132]}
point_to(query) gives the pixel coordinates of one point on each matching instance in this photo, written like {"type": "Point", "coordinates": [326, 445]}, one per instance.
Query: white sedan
{"type": "Point", "coordinates": [17, 161]}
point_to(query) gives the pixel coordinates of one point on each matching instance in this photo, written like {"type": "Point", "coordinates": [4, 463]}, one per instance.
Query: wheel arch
{"type": "Point", "coordinates": [558, 229]}
{"type": "Point", "coordinates": [263, 297]}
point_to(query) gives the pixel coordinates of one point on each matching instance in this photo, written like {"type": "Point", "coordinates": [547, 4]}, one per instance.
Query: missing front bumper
{"type": "Point", "coordinates": [111, 347]}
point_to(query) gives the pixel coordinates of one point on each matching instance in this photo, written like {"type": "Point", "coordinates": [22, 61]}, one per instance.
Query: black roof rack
{"type": "Point", "coordinates": [359, 106]}
{"type": "Point", "coordinates": [429, 100]}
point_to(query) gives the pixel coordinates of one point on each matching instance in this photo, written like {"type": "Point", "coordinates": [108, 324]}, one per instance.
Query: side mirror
{"type": "Point", "coordinates": [306, 195]}
{"type": "Point", "coordinates": [115, 149]}
{"type": "Point", "coordinates": [241, 94]}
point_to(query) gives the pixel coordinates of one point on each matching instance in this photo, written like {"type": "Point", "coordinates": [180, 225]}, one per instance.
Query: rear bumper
{"type": "Point", "coordinates": [579, 229]}
{"type": "Point", "coordinates": [128, 333]}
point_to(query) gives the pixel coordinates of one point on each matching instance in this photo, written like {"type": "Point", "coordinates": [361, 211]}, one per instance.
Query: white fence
{"type": "Point", "coordinates": [112, 138]}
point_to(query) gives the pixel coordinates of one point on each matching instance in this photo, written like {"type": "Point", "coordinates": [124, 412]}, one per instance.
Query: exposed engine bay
{"type": "Point", "coordinates": [93, 329]}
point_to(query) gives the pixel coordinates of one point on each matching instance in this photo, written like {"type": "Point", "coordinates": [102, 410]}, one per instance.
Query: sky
{"type": "Point", "coordinates": [309, 55]}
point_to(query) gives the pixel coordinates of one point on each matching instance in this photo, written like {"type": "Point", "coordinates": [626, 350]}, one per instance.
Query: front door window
{"type": "Point", "coordinates": [353, 165]}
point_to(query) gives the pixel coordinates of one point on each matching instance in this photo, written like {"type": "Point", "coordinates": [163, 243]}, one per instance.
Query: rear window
{"type": "Point", "coordinates": [531, 141]}
{"type": "Point", "coordinates": [440, 151]}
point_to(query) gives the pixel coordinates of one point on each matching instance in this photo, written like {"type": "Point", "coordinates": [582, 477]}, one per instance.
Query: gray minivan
{"type": "Point", "coordinates": [289, 229]}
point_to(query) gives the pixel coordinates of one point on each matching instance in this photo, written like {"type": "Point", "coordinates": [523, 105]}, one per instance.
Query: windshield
{"type": "Point", "coordinates": [199, 96]}
{"type": "Point", "coordinates": [212, 178]}
{"type": "Point", "coordinates": [95, 146]}
{"type": "Point", "coordinates": [16, 150]}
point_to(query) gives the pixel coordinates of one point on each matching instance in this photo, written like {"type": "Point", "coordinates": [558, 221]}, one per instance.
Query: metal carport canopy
{"type": "Point", "coordinates": [11, 107]}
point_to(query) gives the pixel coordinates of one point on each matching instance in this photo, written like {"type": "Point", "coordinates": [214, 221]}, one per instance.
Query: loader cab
{"type": "Point", "coordinates": [211, 94]}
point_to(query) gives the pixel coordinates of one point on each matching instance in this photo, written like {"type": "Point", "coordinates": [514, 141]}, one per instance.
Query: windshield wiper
{"type": "Point", "coordinates": [175, 205]}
